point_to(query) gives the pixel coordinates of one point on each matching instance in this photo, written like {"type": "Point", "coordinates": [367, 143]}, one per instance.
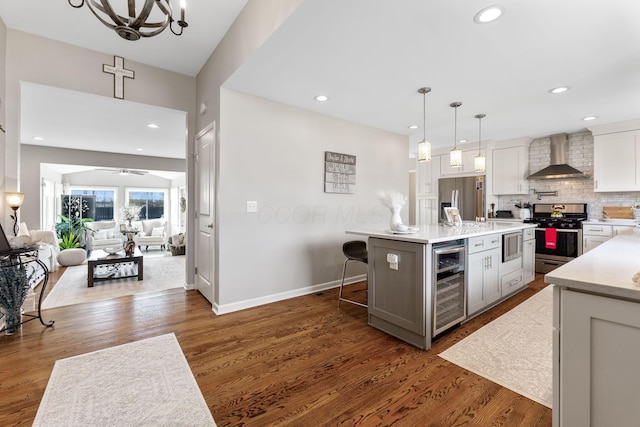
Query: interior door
{"type": "Point", "coordinates": [205, 214]}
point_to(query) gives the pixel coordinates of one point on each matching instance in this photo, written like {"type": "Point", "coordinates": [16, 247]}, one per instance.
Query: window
{"type": "Point", "coordinates": [152, 202]}
{"type": "Point", "coordinates": [104, 201]}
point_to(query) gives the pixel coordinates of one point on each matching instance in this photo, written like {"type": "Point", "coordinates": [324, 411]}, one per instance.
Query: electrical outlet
{"type": "Point", "coordinates": [252, 206]}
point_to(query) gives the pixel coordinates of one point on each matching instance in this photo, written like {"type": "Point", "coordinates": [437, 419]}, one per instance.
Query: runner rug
{"type": "Point", "coordinates": [143, 383]}
{"type": "Point", "coordinates": [164, 272]}
{"type": "Point", "coordinates": [515, 350]}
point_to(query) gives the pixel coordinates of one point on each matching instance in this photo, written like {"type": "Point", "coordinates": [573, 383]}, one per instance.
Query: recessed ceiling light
{"type": "Point", "coordinates": [139, 149]}
{"type": "Point", "coordinates": [413, 127]}
{"type": "Point", "coordinates": [153, 126]}
{"type": "Point", "coordinates": [462, 141]}
{"type": "Point", "coordinates": [559, 89]}
{"type": "Point", "coordinates": [488, 14]}
{"type": "Point", "coordinates": [38, 138]}
{"type": "Point", "coordinates": [586, 119]}
{"type": "Point", "coordinates": [321, 98]}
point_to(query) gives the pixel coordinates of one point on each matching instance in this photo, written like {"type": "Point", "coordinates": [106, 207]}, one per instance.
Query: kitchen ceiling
{"type": "Point", "coordinates": [370, 57]}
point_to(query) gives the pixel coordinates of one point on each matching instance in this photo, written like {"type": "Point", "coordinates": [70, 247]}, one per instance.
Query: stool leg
{"type": "Point", "coordinates": [344, 270]}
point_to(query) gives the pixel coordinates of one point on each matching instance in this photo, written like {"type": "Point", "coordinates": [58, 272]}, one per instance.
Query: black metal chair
{"type": "Point", "coordinates": [354, 250]}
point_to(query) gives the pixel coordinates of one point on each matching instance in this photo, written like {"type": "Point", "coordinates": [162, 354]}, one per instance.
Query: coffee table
{"type": "Point", "coordinates": [105, 266]}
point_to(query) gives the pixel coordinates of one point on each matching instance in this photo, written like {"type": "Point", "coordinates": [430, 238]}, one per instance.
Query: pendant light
{"type": "Point", "coordinates": [424, 147]}
{"type": "Point", "coordinates": [455, 156]}
{"type": "Point", "coordinates": [479, 162]}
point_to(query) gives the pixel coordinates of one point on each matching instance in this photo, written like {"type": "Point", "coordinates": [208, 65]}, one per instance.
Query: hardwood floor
{"type": "Point", "coordinates": [300, 362]}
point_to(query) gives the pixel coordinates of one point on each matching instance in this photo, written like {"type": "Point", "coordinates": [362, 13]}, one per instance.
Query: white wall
{"type": "Point", "coordinates": [4, 218]}
{"type": "Point", "coordinates": [274, 154]}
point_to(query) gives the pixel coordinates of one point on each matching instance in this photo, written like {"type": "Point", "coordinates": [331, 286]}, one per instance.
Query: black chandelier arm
{"type": "Point", "coordinates": [78, 6]}
{"type": "Point", "coordinates": [182, 24]}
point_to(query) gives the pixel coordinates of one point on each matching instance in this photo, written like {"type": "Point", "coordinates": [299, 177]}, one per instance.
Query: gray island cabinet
{"type": "Point", "coordinates": [421, 284]}
{"type": "Point", "coordinates": [596, 336]}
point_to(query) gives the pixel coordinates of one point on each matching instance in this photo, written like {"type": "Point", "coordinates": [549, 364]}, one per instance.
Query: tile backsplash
{"type": "Point", "coordinates": [580, 156]}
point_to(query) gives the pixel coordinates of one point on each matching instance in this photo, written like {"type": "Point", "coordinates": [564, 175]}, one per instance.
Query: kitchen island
{"type": "Point", "coordinates": [422, 284]}
{"type": "Point", "coordinates": [596, 336]}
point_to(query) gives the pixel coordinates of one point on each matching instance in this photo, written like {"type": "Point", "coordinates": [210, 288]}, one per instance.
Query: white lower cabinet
{"type": "Point", "coordinates": [593, 235]}
{"type": "Point", "coordinates": [483, 281]}
{"type": "Point", "coordinates": [529, 256]}
{"type": "Point", "coordinates": [596, 340]}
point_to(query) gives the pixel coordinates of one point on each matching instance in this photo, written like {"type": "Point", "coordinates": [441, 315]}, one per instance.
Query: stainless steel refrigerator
{"type": "Point", "coordinates": [465, 193]}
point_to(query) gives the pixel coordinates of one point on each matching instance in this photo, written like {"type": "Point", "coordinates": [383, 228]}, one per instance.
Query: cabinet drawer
{"type": "Point", "coordinates": [512, 281]}
{"type": "Point", "coordinates": [529, 234]}
{"type": "Point", "coordinates": [483, 243]}
{"type": "Point", "coordinates": [596, 230]}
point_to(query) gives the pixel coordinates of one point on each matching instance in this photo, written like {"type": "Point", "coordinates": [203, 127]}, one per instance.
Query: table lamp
{"type": "Point", "coordinates": [14, 200]}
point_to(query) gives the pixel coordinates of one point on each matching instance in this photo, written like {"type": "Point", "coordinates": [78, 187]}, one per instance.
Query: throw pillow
{"type": "Point", "coordinates": [110, 233]}
{"type": "Point", "coordinates": [100, 235]}
{"type": "Point", "coordinates": [157, 231]}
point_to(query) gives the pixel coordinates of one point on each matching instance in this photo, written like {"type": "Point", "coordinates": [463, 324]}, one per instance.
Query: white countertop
{"type": "Point", "coordinates": [441, 233]}
{"type": "Point", "coordinates": [607, 269]}
{"type": "Point", "coordinates": [612, 221]}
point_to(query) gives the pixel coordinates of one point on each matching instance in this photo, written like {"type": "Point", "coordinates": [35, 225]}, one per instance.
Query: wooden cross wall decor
{"type": "Point", "coordinates": [119, 73]}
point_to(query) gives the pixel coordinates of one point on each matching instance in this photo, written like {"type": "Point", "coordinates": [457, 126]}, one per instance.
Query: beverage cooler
{"type": "Point", "coordinates": [449, 299]}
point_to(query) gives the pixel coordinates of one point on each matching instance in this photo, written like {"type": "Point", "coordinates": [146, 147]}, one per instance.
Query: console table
{"type": "Point", "coordinates": [24, 256]}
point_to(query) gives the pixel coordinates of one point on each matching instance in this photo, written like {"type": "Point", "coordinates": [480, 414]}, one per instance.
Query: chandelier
{"type": "Point", "coordinates": [137, 23]}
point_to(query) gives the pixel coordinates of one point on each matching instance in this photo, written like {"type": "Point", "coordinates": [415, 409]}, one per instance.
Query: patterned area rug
{"type": "Point", "coordinates": [143, 383]}
{"type": "Point", "coordinates": [515, 350]}
{"type": "Point", "coordinates": [160, 272]}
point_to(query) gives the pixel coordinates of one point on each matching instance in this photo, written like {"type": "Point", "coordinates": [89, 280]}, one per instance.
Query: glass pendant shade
{"type": "Point", "coordinates": [424, 151]}
{"type": "Point", "coordinates": [424, 147]}
{"type": "Point", "coordinates": [455, 157]}
{"type": "Point", "coordinates": [479, 163]}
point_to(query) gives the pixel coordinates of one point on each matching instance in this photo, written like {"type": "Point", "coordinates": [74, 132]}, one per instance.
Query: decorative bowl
{"type": "Point", "coordinates": [113, 250]}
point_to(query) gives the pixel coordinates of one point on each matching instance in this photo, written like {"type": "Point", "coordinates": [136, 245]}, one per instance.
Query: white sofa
{"type": "Point", "coordinates": [153, 232]}
{"type": "Point", "coordinates": [103, 234]}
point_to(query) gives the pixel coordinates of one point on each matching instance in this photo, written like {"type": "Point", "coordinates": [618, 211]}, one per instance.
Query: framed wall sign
{"type": "Point", "coordinates": [339, 173]}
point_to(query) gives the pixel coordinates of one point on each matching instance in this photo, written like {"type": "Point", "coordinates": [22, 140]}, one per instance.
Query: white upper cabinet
{"type": "Point", "coordinates": [509, 171]}
{"type": "Point", "coordinates": [427, 177]}
{"type": "Point", "coordinates": [468, 163]}
{"type": "Point", "coordinates": [616, 161]}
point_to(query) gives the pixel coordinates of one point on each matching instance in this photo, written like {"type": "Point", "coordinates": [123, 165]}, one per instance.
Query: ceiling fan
{"type": "Point", "coordinates": [124, 171]}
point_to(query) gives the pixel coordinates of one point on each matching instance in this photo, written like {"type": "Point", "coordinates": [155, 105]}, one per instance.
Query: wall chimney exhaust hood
{"type": "Point", "coordinates": [558, 169]}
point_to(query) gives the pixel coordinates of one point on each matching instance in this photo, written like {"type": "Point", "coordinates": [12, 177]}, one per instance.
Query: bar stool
{"type": "Point", "coordinates": [354, 250]}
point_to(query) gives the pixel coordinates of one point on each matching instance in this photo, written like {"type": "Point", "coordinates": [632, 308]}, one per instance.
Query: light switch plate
{"type": "Point", "coordinates": [252, 206]}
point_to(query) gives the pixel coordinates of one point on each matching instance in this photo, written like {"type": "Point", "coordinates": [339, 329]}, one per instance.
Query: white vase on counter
{"type": "Point", "coordinates": [395, 218]}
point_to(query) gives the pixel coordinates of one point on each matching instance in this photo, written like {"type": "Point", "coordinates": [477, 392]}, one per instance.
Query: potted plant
{"type": "Point", "coordinates": [72, 231]}
{"type": "Point", "coordinates": [14, 286]}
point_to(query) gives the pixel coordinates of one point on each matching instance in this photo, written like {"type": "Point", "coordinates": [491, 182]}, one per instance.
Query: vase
{"type": "Point", "coordinates": [12, 320]}
{"type": "Point", "coordinates": [129, 226]}
{"type": "Point", "coordinates": [395, 218]}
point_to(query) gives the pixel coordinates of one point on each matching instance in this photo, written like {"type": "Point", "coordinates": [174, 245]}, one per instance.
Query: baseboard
{"type": "Point", "coordinates": [255, 302]}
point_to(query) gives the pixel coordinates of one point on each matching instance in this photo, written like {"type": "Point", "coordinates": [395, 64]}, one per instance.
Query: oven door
{"type": "Point", "coordinates": [568, 244]}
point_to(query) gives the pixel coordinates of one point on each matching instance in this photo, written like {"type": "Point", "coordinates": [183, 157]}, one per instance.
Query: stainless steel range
{"type": "Point", "coordinates": [559, 233]}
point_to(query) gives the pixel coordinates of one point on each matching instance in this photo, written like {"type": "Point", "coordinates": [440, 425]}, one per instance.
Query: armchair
{"type": "Point", "coordinates": [152, 232]}
{"type": "Point", "coordinates": [102, 235]}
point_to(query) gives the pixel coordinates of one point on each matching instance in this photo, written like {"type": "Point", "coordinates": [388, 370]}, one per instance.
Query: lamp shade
{"type": "Point", "coordinates": [479, 163]}
{"type": "Point", "coordinates": [424, 151]}
{"type": "Point", "coordinates": [455, 157]}
{"type": "Point", "coordinates": [14, 200]}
